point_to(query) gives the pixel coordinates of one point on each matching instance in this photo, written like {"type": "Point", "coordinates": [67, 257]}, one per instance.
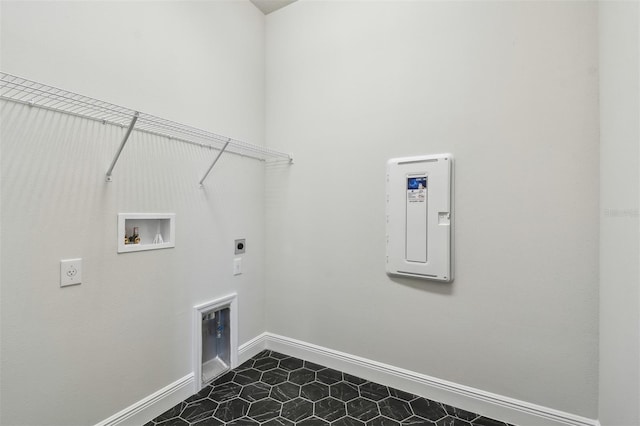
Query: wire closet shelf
{"type": "Point", "coordinates": [32, 93]}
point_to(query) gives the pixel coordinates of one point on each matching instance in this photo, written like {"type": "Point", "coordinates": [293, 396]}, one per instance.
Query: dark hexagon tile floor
{"type": "Point", "coordinates": [272, 389]}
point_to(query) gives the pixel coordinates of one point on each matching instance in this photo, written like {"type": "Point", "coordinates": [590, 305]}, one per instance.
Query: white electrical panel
{"type": "Point", "coordinates": [420, 217]}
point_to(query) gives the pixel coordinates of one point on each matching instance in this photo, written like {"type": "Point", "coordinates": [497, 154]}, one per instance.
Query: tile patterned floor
{"type": "Point", "coordinates": [272, 389]}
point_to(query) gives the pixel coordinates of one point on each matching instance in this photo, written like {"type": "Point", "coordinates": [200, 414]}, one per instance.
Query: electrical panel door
{"type": "Point", "coordinates": [420, 217]}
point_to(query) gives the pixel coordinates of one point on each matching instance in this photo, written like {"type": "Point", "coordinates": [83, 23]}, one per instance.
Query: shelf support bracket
{"type": "Point", "coordinates": [214, 162]}
{"type": "Point", "coordinates": [122, 144]}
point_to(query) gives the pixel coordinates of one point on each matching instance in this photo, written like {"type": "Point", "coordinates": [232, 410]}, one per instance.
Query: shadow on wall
{"type": "Point", "coordinates": [424, 285]}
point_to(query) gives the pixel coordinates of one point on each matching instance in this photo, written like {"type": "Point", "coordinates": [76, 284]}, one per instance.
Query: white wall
{"type": "Point", "coordinates": [77, 355]}
{"type": "Point", "coordinates": [510, 88]}
{"type": "Point", "coordinates": [619, 45]}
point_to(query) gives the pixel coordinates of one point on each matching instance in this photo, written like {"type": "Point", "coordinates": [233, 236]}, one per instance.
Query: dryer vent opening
{"type": "Point", "coordinates": [215, 337]}
{"type": "Point", "coordinates": [216, 344]}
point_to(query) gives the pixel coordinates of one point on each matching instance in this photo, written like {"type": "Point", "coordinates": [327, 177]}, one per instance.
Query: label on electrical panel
{"type": "Point", "coordinates": [417, 189]}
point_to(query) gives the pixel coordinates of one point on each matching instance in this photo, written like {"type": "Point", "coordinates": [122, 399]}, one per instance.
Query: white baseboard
{"type": "Point", "coordinates": [252, 348]}
{"type": "Point", "coordinates": [153, 405]}
{"type": "Point", "coordinates": [488, 404]}
{"type": "Point", "coordinates": [159, 402]}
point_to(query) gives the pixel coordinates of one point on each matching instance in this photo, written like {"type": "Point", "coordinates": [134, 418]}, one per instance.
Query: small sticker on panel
{"type": "Point", "coordinates": [417, 196]}
{"type": "Point", "coordinates": [417, 189]}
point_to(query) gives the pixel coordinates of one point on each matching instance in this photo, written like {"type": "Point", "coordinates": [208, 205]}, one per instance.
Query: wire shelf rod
{"type": "Point", "coordinates": [83, 116]}
{"type": "Point", "coordinates": [61, 100]}
{"type": "Point", "coordinates": [204, 144]}
{"type": "Point", "coordinates": [32, 93]}
{"type": "Point", "coordinates": [176, 128]}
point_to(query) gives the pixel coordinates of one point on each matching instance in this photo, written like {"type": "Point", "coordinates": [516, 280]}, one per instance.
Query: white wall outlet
{"type": "Point", "coordinates": [70, 272]}
{"type": "Point", "coordinates": [237, 266]}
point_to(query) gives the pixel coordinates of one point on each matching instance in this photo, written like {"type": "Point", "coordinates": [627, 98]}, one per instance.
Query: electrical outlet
{"type": "Point", "coordinates": [70, 272]}
{"type": "Point", "coordinates": [241, 246]}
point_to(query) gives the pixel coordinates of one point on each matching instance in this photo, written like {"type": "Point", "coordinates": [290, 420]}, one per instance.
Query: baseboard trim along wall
{"type": "Point", "coordinates": [251, 348]}
{"type": "Point", "coordinates": [488, 404]}
{"type": "Point", "coordinates": [153, 405]}
{"type": "Point", "coordinates": [157, 403]}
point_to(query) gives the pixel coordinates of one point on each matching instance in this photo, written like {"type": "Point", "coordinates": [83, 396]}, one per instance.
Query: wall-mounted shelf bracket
{"type": "Point", "coordinates": [122, 144]}
{"type": "Point", "coordinates": [214, 162]}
